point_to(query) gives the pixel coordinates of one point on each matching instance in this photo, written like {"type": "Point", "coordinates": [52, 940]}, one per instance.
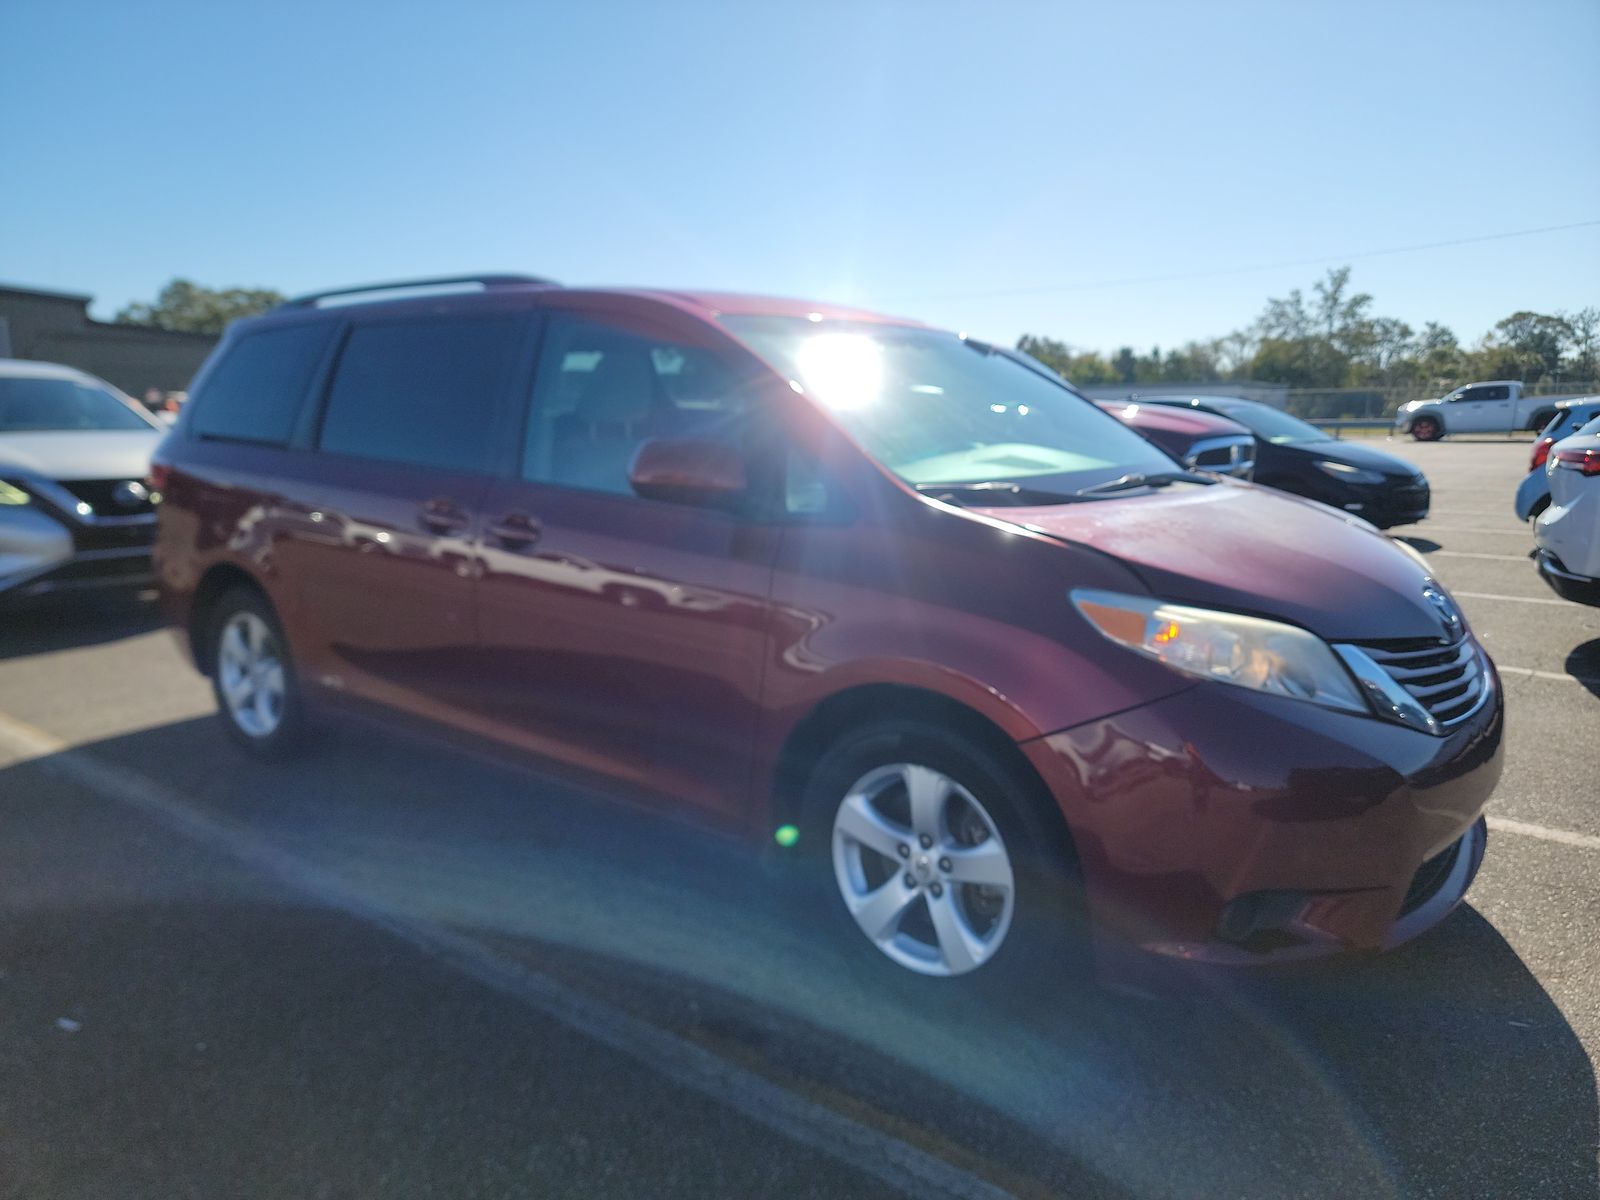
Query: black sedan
{"type": "Point", "coordinates": [1297, 457]}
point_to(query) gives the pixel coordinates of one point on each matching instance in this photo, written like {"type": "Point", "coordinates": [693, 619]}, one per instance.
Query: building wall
{"type": "Point", "coordinates": [56, 327]}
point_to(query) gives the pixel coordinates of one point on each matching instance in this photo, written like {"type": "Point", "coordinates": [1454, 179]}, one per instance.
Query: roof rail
{"type": "Point", "coordinates": [312, 299]}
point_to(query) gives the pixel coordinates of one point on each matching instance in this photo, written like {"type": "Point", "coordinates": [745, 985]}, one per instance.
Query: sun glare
{"type": "Point", "coordinates": [843, 370]}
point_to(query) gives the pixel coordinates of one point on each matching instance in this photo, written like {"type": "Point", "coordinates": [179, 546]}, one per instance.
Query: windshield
{"type": "Point", "coordinates": [936, 409]}
{"type": "Point", "coordinates": [29, 405]}
{"type": "Point", "coordinates": [1270, 425]}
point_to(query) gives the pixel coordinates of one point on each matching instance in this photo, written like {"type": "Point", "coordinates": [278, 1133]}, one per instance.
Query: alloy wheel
{"type": "Point", "coordinates": [250, 675]}
{"type": "Point", "coordinates": [1425, 429]}
{"type": "Point", "coordinates": [923, 870]}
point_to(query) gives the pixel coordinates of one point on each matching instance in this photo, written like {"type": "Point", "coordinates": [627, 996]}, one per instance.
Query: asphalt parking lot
{"type": "Point", "coordinates": [388, 970]}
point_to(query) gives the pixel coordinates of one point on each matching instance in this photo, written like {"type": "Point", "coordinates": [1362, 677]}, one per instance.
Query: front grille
{"type": "Point", "coordinates": [113, 536]}
{"type": "Point", "coordinates": [1231, 456]}
{"type": "Point", "coordinates": [1430, 877]}
{"type": "Point", "coordinates": [1412, 496]}
{"type": "Point", "coordinates": [100, 495]}
{"type": "Point", "coordinates": [1447, 678]}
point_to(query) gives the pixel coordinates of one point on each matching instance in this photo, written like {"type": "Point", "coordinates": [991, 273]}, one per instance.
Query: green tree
{"type": "Point", "coordinates": [188, 307]}
{"type": "Point", "coordinates": [1438, 357]}
{"type": "Point", "coordinates": [1126, 365]}
{"type": "Point", "coordinates": [1584, 361]}
{"type": "Point", "coordinates": [1294, 361]}
{"type": "Point", "coordinates": [1539, 337]}
{"type": "Point", "coordinates": [1086, 370]}
{"type": "Point", "coordinates": [1053, 354]}
{"type": "Point", "coordinates": [1331, 338]}
{"type": "Point", "coordinates": [1342, 318]}
{"type": "Point", "coordinates": [1389, 355]}
{"type": "Point", "coordinates": [1313, 345]}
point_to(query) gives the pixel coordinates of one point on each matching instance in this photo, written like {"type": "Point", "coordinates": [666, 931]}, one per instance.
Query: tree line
{"type": "Point", "coordinates": [1333, 339]}
{"type": "Point", "coordinates": [1329, 339]}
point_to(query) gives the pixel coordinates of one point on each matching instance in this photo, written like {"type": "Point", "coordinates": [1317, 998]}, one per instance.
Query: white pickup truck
{"type": "Point", "coordinates": [1495, 407]}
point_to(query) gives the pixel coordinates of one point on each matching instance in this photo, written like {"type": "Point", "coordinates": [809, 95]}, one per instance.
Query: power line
{"type": "Point", "coordinates": [1216, 273]}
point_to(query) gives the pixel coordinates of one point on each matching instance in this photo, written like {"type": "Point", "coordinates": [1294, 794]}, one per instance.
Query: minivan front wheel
{"type": "Point", "coordinates": [252, 675]}
{"type": "Point", "coordinates": [935, 860]}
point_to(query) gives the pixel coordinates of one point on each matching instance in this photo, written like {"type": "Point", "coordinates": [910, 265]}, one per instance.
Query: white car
{"type": "Point", "coordinates": [1568, 532]}
{"type": "Point", "coordinates": [74, 455]}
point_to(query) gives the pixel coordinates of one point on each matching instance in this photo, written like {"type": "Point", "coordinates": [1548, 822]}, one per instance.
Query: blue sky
{"type": "Point", "coordinates": [951, 162]}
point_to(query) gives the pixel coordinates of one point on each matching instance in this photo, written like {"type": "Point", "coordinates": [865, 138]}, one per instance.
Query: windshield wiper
{"type": "Point", "coordinates": [994, 491]}
{"type": "Point", "coordinates": [1136, 479]}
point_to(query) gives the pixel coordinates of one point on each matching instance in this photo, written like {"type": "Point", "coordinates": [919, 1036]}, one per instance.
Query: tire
{"type": "Point", "coordinates": [938, 925]}
{"type": "Point", "coordinates": [259, 701]}
{"type": "Point", "coordinates": [1540, 419]}
{"type": "Point", "coordinates": [1427, 429]}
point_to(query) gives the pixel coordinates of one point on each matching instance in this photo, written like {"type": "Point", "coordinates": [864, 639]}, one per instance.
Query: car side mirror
{"type": "Point", "coordinates": [689, 471]}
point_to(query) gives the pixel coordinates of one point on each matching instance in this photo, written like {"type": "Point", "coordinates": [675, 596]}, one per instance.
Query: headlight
{"type": "Point", "coordinates": [1346, 473]}
{"type": "Point", "coordinates": [1244, 651]}
{"type": "Point", "coordinates": [10, 494]}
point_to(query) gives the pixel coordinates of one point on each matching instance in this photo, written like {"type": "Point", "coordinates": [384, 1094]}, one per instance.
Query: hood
{"type": "Point", "coordinates": [112, 454]}
{"type": "Point", "coordinates": [1356, 455]}
{"type": "Point", "coordinates": [1165, 418]}
{"type": "Point", "coordinates": [1254, 550]}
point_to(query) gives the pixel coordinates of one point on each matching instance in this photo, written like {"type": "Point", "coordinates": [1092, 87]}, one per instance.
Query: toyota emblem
{"type": "Point", "coordinates": [1446, 608]}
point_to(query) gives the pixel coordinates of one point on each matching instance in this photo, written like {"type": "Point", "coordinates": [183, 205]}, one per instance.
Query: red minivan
{"type": "Point", "coordinates": [979, 652]}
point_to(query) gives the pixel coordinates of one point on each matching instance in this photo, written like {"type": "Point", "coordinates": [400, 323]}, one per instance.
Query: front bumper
{"type": "Point", "coordinates": [1220, 825]}
{"type": "Point", "coordinates": [1393, 502]}
{"type": "Point", "coordinates": [44, 551]}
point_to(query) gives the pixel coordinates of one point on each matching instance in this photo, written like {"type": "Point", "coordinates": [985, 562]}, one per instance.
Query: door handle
{"type": "Point", "coordinates": [515, 530]}
{"type": "Point", "coordinates": [442, 515]}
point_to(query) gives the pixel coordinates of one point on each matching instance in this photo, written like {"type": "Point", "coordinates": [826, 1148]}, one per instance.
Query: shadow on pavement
{"type": "Point", "coordinates": [63, 621]}
{"type": "Point", "coordinates": [1584, 665]}
{"type": "Point", "coordinates": [1425, 545]}
{"type": "Point", "coordinates": [1441, 1069]}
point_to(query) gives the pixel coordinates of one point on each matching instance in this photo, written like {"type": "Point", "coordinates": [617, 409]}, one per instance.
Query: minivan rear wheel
{"type": "Point", "coordinates": [258, 697]}
{"type": "Point", "coordinates": [937, 860]}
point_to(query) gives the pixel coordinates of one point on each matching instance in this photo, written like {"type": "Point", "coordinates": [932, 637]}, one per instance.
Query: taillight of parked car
{"type": "Point", "coordinates": [1587, 461]}
{"type": "Point", "coordinates": [1541, 451]}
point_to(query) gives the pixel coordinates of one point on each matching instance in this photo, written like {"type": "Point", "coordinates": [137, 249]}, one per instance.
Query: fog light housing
{"type": "Point", "coordinates": [1262, 921]}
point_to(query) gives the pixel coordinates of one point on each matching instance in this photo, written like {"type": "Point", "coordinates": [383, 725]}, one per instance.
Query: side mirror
{"type": "Point", "coordinates": [688, 471]}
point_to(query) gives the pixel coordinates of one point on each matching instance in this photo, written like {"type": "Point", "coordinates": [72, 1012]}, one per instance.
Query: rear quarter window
{"type": "Point", "coordinates": [255, 390]}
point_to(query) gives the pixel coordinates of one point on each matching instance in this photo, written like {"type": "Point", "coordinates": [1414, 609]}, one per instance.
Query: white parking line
{"type": "Point", "coordinates": [1513, 531]}
{"type": "Point", "coordinates": [1566, 837]}
{"type": "Point", "coordinates": [1518, 599]}
{"type": "Point", "coordinates": [896, 1163]}
{"type": "Point", "coordinates": [1517, 558]}
{"type": "Point", "coordinates": [1558, 676]}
